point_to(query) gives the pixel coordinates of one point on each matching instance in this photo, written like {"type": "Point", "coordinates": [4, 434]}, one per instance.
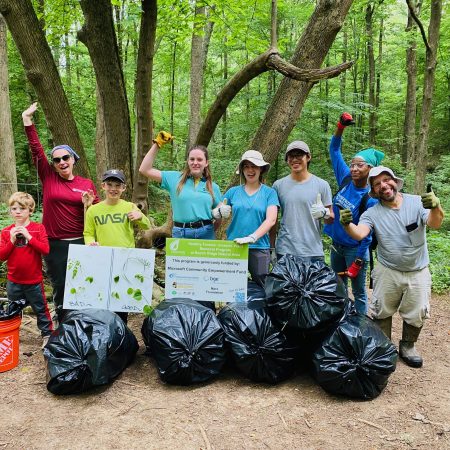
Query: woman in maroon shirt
{"type": "Point", "coordinates": [65, 199]}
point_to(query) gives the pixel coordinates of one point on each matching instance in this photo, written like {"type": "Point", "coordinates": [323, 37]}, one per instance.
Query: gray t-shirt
{"type": "Point", "coordinates": [299, 233]}
{"type": "Point", "coordinates": [398, 248]}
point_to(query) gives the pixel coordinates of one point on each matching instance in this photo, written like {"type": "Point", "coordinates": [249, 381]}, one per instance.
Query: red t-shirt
{"type": "Point", "coordinates": [63, 209]}
{"type": "Point", "coordinates": [24, 263]}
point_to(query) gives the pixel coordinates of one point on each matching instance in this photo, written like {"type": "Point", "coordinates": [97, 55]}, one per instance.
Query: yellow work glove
{"type": "Point", "coordinates": [345, 217]}
{"type": "Point", "coordinates": [163, 138]}
{"type": "Point", "coordinates": [430, 201]}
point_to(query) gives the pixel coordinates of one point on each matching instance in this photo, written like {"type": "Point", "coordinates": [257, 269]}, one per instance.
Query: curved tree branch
{"type": "Point", "coordinates": [269, 60]}
{"type": "Point", "coordinates": [289, 70]}
{"type": "Point", "coordinates": [419, 24]}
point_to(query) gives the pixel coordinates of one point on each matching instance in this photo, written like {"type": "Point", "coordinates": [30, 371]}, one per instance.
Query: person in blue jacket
{"type": "Point", "coordinates": [348, 255]}
{"type": "Point", "coordinates": [254, 212]}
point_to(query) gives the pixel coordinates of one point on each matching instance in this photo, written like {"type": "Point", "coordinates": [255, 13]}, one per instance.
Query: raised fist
{"type": "Point", "coordinates": [345, 120]}
{"type": "Point", "coordinates": [163, 138]}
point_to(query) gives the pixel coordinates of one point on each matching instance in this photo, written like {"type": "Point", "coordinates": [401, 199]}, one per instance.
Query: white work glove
{"type": "Point", "coordinates": [223, 211]}
{"type": "Point", "coordinates": [250, 239]}
{"type": "Point", "coordinates": [318, 211]}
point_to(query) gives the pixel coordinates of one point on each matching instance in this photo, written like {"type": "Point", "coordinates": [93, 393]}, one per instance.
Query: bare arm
{"type": "Point", "coordinates": [269, 222]}
{"type": "Point", "coordinates": [435, 218]}
{"type": "Point", "coordinates": [357, 232]}
{"type": "Point", "coordinates": [147, 168]}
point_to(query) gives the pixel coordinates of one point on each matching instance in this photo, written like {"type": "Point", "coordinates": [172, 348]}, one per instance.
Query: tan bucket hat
{"type": "Point", "coordinates": [255, 158]}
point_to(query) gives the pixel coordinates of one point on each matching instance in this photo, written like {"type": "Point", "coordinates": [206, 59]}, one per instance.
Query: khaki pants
{"type": "Point", "coordinates": [408, 293]}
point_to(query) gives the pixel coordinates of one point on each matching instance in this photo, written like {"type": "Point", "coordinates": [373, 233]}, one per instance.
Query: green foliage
{"type": "Point", "coordinates": [439, 249]}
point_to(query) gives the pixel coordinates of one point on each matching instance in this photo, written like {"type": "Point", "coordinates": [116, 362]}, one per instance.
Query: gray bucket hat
{"type": "Point", "coordinates": [375, 171]}
{"type": "Point", "coordinates": [255, 158]}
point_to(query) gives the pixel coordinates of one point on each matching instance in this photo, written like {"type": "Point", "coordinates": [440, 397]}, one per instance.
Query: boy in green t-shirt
{"type": "Point", "coordinates": [110, 222]}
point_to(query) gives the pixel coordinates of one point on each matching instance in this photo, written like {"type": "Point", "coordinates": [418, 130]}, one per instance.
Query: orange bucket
{"type": "Point", "coordinates": [9, 343]}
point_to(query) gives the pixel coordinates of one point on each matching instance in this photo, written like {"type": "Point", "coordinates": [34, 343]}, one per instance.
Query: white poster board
{"type": "Point", "coordinates": [206, 270]}
{"type": "Point", "coordinates": [113, 278]}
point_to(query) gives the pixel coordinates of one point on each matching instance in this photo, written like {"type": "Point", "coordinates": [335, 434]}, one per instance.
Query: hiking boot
{"type": "Point", "coordinates": [407, 349]}
{"type": "Point", "coordinates": [385, 326]}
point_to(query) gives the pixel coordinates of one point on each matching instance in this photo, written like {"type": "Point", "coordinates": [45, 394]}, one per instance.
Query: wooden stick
{"type": "Point", "coordinates": [307, 423]}
{"type": "Point", "coordinates": [205, 438]}
{"type": "Point", "coordinates": [373, 425]}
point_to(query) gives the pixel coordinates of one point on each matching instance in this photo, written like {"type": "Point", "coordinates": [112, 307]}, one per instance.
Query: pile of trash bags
{"type": "Point", "coordinates": [302, 318]}
{"type": "Point", "coordinates": [12, 308]}
{"type": "Point", "coordinates": [90, 348]}
{"type": "Point", "coordinates": [186, 340]}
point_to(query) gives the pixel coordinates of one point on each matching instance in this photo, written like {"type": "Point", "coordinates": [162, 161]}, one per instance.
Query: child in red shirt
{"type": "Point", "coordinates": [22, 245]}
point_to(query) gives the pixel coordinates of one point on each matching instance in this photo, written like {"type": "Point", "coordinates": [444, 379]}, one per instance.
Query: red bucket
{"type": "Point", "coordinates": [9, 343]}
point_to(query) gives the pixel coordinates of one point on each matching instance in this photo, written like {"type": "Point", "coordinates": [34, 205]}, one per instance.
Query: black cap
{"type": "Point", "coordinates": [114, 173]}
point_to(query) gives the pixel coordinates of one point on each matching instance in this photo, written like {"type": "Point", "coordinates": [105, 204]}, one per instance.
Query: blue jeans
{"type": "Point", "coordinates": [205, 232]}
{"type": "Point", "coordinates": [341, 258]}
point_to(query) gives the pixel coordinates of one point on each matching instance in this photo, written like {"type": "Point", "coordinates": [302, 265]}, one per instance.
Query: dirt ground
{"type": "Point", "coordinates": [139, 411]}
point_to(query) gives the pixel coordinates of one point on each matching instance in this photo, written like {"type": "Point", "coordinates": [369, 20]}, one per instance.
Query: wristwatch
{"type": "Point", "coordinates": [359, 262]}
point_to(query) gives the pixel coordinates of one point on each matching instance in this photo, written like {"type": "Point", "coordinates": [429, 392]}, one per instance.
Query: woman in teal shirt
{"type": "Point", "coordinates": [192, 192]}
{"type": "Point", "coordinates": [255, 208]}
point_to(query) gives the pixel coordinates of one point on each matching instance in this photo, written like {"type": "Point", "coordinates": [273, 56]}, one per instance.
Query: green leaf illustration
{"type": "Point", "coordinates": [73, 291]}
{"type": "Point", "coordinates": [137, 295]}
{"type": "Point", "coordinates": [89, 279]}
{"type": "Point", "coordinates": [130, 291]}
{"type": "Point", "coordinates": [139, 277]}
{"type": "Point", "coordinates": [116, 279]}
{"type": "Point", "coordinates": [147, 310]}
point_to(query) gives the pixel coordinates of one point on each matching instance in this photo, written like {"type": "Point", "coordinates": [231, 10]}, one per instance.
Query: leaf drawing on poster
{"type": "Point", "coordinates": [118, 279]}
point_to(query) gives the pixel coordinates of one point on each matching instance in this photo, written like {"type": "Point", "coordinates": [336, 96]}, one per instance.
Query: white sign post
{"type": "Point", "coordinates": [118, 279]}
{"type": "Point", "coordinates": [206, 270]}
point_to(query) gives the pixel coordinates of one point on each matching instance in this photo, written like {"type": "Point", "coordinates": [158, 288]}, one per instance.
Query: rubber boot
{"type": "Point", "coordinates": [407, 349]}
{"type": "Point", "coordinates": [385, 325]}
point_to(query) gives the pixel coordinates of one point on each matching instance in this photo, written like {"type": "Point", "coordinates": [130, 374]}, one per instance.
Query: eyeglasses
{"type": "Point", "coordinates": [359, 165]}
{"type": "Point", "coordinates": [296, 155]}
{"type": "Point", "coordinates": [57, 160]}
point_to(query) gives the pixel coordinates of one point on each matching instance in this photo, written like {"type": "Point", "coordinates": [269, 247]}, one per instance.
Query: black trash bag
{"type": "Point", "coordinates": [355, 360]}
{"type": "Point", "coordinates": [90, 348]}
{"type": "Point", "coordinates": [259, 350]}
{"type": "Point", "coordinates": [186, 340]}
{"type": "Point", "coordinates": [305, 296]}
{"type": "Point", "coordinates": [13, 308]}
{"type": "Point", "coordinates": [255, 292]}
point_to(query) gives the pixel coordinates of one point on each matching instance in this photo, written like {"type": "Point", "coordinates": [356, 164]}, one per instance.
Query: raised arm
{"type": "Point", "coordinates": [431, 202]}
{"type": "Point", "coordinates": [146, 168]}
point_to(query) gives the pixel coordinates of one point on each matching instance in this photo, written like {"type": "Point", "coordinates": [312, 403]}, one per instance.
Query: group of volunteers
{"type": "Point", "coordinates": [368, 205]}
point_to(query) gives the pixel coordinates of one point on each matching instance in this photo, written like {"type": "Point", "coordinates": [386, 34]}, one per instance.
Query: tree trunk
{"type": "Point", "coordinates": [378, 73]}
{"type": "Point", "coordinates": [409, 126]}
{"type": "Point", "coordinates": [199, 42]}
{"type": "Point", "coordinates": [428, 88]}
{"type": "Point", "coordinates": [343, 79]}
{"type": "Point", "coordinates": [172, 99]}
{"type": "Point", "coordinates": [101, 145]}
{"type": "Point", "coordinates": [225, 78]}
{"type": "Point", "coordinates": [99, 37]}
{"type": "Point", "coordinates": [371, 62]}
{"type": "Point", "coordinates": [8, 176]}
{"type": "Point", "coordinates": [311, 50]}
{"type": "Point", "coordinates": [143, 89]}
{"type": "Point", "coordinates": [43, 75]}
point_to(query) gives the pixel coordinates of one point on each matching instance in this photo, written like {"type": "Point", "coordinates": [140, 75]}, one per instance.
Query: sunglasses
{"type": "Point", "coordinates": [57, 160]}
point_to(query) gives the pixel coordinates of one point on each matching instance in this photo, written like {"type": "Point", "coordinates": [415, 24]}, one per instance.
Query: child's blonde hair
{"type": "Point", "coordinates": [23, 199]}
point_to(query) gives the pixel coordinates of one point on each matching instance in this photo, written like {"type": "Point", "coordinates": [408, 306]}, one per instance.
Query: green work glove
{"type": "Point", "coordinates": [430, 201]}
{"type": "Point", "coordinates": [163, 138]}
{"type": "Point", "coordinates": [345, 217]}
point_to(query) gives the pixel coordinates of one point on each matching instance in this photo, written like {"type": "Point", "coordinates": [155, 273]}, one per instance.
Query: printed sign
{"type": "Point", "coordinates": [206, 270]}
{"type": "Point", "coordinates": [118, 279]}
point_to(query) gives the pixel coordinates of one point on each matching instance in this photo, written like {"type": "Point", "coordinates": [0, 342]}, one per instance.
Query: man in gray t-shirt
{"type": "Point", "coordinates": [401, 278]}
{"type": "Point", "coordinates": [305, 200]}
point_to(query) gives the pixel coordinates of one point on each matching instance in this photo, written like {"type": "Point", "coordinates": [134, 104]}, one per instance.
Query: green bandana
{"type": "Point", "coordinates": [370, 156]}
